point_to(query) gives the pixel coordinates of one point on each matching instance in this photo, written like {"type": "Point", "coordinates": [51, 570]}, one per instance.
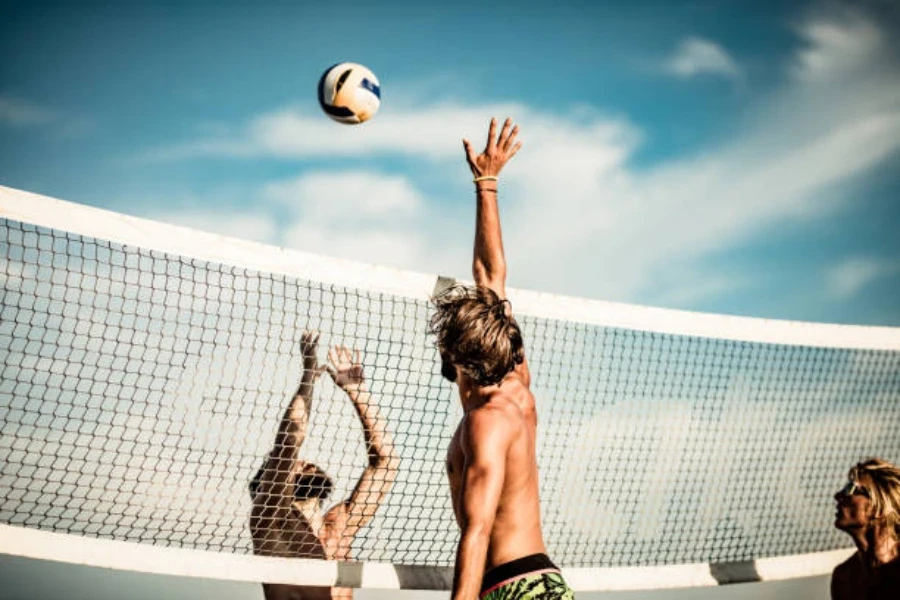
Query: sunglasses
{"type": "Point", "coordinates": [853, 489]}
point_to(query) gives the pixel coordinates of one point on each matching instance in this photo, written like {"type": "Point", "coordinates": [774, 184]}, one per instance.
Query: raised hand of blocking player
{"type": "Point", "coordinates": [497, 152]}
{"type": "Point", "coordinates": [346, 367]}
{"type": "Point", "coordinates": [309, 345]}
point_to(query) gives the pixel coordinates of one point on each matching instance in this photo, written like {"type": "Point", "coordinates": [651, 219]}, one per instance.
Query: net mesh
{"type": "Point", "coordinates": [142, 391]}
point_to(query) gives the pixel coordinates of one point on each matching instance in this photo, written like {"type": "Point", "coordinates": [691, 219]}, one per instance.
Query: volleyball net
{"type": "Point", "coordinates": [146, 369]}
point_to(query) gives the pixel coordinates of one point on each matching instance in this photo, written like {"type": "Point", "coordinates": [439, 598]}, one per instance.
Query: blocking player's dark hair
{"type": "Point", "coordinates": [476, 331]}
{"type": "Point", "coordinates": [307, 485]}
{"type": "Point", "coordinates": [313, 485]}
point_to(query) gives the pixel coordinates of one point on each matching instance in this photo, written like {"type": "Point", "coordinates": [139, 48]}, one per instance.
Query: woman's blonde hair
{"type": "Point", "coordinates": [882, 480]}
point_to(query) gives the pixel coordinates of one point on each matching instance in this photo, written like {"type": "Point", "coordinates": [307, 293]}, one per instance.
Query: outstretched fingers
{"type": "Point", "coordinates": [334, 356]}
{"type": "Point", "coordinates": [345, 366]}
{"type": "Point", "coordinates": [333, 367]}
{"type": "Point", "coordinates": [514, 149]}
{"type": "Point", "coordinates": [470, 154]}
{"type": "Point", "coordinates": [309, 343]}
{"type": "Point", "coordinates": [503, 140]}
{"type": "Point", "coordinates": [492, 135]}
{"type": "Point", "coordinates": [510, 140]}
{"type": "Point", "coordinates": [343, 357]}
{"type": "Point", "coordinates": [498, 151]}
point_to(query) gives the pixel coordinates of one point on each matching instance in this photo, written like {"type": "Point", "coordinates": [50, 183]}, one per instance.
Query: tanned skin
{"type": "Point", "coordinates": [491, 463]}
{"type": "Point", "coordinates": [285, 526]}
{"type": "Point", "coordinates": [873, 571]}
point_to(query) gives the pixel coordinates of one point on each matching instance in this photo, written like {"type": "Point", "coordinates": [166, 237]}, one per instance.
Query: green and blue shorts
{"type": "Point", "coordinates": [532, 577]}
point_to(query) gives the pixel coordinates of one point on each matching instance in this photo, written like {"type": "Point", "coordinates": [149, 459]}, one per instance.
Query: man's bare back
{"type": "Point", "coordinates": [517, 523]}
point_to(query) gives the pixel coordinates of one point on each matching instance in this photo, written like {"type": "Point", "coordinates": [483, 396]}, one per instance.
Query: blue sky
{"type": "Point", "coordinates": [737, 157]}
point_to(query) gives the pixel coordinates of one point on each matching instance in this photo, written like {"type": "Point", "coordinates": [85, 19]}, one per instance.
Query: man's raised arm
{"type": "Point", "coordinates": [292, 429]}
{"type": "Point", "coordinates": [489, 262]}
{"type": "Point", "coordinates": [347, 372]}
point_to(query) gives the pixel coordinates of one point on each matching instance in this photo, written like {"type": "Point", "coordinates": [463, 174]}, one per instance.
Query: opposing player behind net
{"type": "Point", "coordinates": [868, 510]}
{"type": "Point", "coordinates": [491, 463]}
{"type": "Point", "coordinates": [288, 518]}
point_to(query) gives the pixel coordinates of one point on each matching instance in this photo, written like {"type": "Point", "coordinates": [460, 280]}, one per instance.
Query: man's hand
{"type": "Point", "coordinates": [309, 345]}
{"type": "Point", "coordinates": [346, 368]}
{"type": "Point", "coordinates": [497, 152]}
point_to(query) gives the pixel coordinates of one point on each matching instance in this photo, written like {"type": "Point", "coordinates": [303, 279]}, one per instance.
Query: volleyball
{"type": "Point", "coordinates": [349, 93]}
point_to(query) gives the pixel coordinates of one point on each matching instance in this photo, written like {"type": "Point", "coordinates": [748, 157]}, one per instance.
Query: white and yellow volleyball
{"type": "Point", "coordinates": [349, 93]}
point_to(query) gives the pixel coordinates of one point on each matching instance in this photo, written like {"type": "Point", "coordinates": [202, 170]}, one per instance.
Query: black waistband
{"type": "Point", "coordinates": [516, 568]}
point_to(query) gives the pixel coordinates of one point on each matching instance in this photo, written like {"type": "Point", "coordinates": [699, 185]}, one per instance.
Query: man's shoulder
{"type": "Point", "coordinates": [498, 408]}
{"type": "Point", "coordinates": [496, 416]}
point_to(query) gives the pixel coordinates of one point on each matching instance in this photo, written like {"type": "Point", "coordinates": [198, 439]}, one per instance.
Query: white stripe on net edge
{"type": "Point", "coordinates": [95, 552]}
{"type": "Point", "coordinates": [102, 224]}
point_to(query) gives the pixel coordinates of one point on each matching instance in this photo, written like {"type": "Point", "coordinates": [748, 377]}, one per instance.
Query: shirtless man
{"type": "Point", "coordinates": [288, 493]}
{"type": "Point", "coordinates": [491, 462]}
{"type": "Point", "coordinates": [868, 510]}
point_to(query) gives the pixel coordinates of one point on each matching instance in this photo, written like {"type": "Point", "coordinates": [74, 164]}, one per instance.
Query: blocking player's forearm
{"type": "Point", "coordinates": [489, 263]}
{"type": "Point", "coordinates": [379, 444]}
{"type": "Point", "coordinates": [292, 429]}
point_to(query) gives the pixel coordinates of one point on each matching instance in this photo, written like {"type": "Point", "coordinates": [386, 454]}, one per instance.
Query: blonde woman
{"type": "Point", "coordinates": [868, 510]}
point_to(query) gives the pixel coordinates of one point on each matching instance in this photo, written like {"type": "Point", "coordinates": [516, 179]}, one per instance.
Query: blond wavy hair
{"type": "Point", "coordinates": [882, 480]}
{"type": "Point", "coordinates": [476, 331]}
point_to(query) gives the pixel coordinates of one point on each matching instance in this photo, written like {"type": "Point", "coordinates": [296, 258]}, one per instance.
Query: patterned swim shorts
{"type": "Point", "coordinates": [532, 577]}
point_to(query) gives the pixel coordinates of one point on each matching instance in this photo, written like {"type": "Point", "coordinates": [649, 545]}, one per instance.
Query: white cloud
{"type": "Point", "coordinates": [696, 56]}
{"type": "Point", "coordinates": [578, 217]}
{"type": "Point", "coordinates": [837, 45]}
{"type": "Point", "coordinates": [258, 227]}
{"type": "Point", "coordinates": [847, 278]}
{"type": "Point", "coordinates": [432, 132]}
{"type": "Point", "coordinates": [353, 214]}
{"type": "Point", "coordinates": [689, 286]}
{"type": "Point", "coordinates": [347, 195]}
{"type": "Point", "coordinates": [397, 248]}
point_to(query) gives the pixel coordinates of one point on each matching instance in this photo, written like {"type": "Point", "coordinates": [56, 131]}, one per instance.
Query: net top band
{"type": "Point", "coordinates": [92, 222]}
